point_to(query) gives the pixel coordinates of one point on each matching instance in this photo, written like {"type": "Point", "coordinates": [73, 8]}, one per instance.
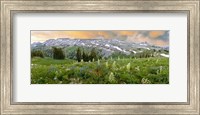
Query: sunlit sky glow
{"type": "Point", "coordinates": [155, 37]}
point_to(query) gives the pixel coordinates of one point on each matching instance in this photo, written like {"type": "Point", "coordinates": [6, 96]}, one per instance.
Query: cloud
{"type": "Point", "coordinates": [156, 34]}
{"type": "Point", "coordinates": [158, 37]}
{"type": "Point", "coordinates": [127, 33]}
{"type": "Point", "coordinates": [165, 36]}
{"type": "Point", "coordinates": [139, 38]}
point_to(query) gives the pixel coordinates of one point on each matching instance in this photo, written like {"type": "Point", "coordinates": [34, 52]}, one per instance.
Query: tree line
{"type": "Point", "coordinates": [59, 54]}
{"type": "Point", "coordinates": [85, 56]}
{"type": "Point", "coordinates": [80, 54]}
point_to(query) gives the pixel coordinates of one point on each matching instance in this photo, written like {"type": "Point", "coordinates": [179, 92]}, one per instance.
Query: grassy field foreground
{"type": "Point", "coordinates": [154, 70]}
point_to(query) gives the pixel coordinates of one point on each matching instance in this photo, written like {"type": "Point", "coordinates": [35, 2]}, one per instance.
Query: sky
{"type": "Point", "coordinates": [154, 37]}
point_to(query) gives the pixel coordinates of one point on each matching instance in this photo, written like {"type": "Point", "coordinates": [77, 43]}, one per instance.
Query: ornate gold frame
{"type": "Point", "coordinates": [9, 7]}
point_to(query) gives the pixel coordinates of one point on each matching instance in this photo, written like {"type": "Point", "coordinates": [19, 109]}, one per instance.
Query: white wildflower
{"type": "Point", "coordinates": [128, 66]}
{"type": "Point", "coordinates": [111, 77]}
{"type": "Point", "coordinates": [114, 65]}
{"type": "Point", "coordinates": [106, 64]}
{"type": "Point", "coordinates": [145, 81]}
{"type": "Point", "coordinates": [98, 62]}
{"type": "Point", "coordinates": [137, 68]}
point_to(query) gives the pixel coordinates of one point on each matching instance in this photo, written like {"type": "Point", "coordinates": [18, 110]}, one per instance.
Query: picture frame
{"type": "Point", "coordinates": [9, 8]}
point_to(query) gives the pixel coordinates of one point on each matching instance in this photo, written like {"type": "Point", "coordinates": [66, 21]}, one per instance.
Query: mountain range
{"type": "Point", "coordinates": [108, 46]}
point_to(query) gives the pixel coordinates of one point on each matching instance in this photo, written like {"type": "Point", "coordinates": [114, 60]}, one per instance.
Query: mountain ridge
{"type": "Point", "coordinates": [108, 46]}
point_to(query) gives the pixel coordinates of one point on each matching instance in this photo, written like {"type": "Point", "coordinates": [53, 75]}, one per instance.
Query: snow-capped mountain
{"type": "Point", "coordinates": [107, 46]}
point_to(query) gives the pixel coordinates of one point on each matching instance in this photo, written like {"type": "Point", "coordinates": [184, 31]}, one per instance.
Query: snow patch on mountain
{"type": "Point", "coordinates": [116, 47]}
{"type": "Point", "coordinates": [134, 51]}
{"type": "Point", "coordinates": [165, 55]}
{"type": "Point", "coordinates": [107, 45]}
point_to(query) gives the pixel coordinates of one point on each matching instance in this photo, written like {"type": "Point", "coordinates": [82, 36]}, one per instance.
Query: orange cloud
{"type": "Point", "coordinates": [104, 34]}
{"type": "Point", "coordinates": [70, 34]}
{"type": "Point", "coordinates": [131, 36]}
{"type": "Point", "coordinates": [79, 34]}
{"type": "Point", "coordinates": [155, 34]}
{"type": "Point", "coordinates": [40, 34]}
{"type": "Point", "coordinates": [160, 43]}
{"type": "Point", "coordinates": [127, 33]}
{"type": "Point", "coordinates": [141, 38]}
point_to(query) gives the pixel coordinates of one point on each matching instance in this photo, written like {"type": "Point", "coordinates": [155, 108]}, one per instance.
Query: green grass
{"type": "Point", "coordinates": [50, 61]}
{"type": "Point", "coordinates": [153, 70]}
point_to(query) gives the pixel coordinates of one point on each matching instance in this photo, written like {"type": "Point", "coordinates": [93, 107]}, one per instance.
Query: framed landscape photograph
{"type": "Point", "coordinates": [100, 57]}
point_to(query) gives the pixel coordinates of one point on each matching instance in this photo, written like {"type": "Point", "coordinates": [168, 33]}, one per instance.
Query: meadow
{"type": "Point", "coordinates": [151, 70]}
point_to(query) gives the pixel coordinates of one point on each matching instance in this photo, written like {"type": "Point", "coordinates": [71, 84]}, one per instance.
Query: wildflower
{"type": "Point", "coordinates": [114, 64]}
{"type": "Point", "coordinates": [81, 60]}
{"type": "Point", "coordinates": [106, 64]}
{"type": "Point", "coordinates": [137, 68]}
{"type": "Point", "coordinates": [56, 72]}
{"type": "Point", "coordinates": [67, 69]}
{"type": "Point", "coordinates": [161, 67]}
{"type": "Point", "coordinates": [93, 60]}
{"type": "Point", "coordinates": [111, 77]}
{"type": "Point", "coordinates": [98, 62]}
{"type": "Point", "coordinates": [145, 81]}
{"type": "Point", "coordinates": [128, 67]}
{"type": "Point", "coordinates": [157, 61]}
{"type": "Point", "coordinates": [157, 71]}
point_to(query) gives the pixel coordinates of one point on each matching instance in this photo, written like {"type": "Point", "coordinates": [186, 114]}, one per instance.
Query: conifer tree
{"type": "Point", "coordinates": [58, 53]}
{"type": "Point", "coordinates": [78, 54]}
{"type": "Point", "coordinates": [93, 54]}
{"type": "Point", "coordinates": [37, 54]}
{"type": "Point", "coordinates": [84, 56]}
